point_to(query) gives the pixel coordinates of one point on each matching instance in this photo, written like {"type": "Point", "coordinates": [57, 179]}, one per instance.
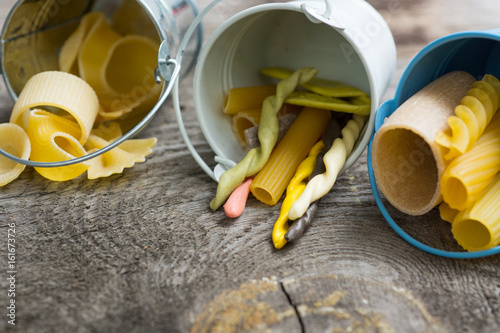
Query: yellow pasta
{"type": "Point", "coordinates": [68, 57]}
{"type": "Point", "coordinates": [471, 117]}
{"type": "Point", "coordinates": [93, 55]}
{"type": "Point", "coordinates": [468, 175]}
{"type": "Point", "coordinates": [293, 191]}
{"type": "Point", "coordinates": [447, 213]}
{"type": "Point", "coordinates": [478, 228]}
{"type": "Point", "coordinates": [272, 180]}
{"type": "Point", "coordinates": [244, 120]}
{"type": "Point", "coordinates": [61, 91]}
{"type": "Point", "coordinates": [53, 139]}
{"type": "Point", "coordinates": [334, 160]}
{"type": "Point", "coordinates": [246, 98]}
{"type": "Point", "coordinates": [119, 158]}
{"type": "Point", "coordinates": [20, 147]}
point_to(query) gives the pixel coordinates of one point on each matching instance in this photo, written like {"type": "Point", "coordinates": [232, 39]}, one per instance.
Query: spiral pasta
{"type": "Point", "coordinates": [334, 160]}
{"type": "Point", "coordinates": [268, 135]}
{"type": "Point", "coordinates": [293, 191]}
{"type": "Point", "coordinates": [471, 117]}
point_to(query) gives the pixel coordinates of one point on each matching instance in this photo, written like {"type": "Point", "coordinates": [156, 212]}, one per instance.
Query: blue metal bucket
{"type": "Point", "coordinates": [476, 52]}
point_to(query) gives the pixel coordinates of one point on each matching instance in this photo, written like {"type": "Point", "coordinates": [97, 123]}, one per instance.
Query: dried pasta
{"type": "Point", "coordinates": [320, 86]}
{"type": "Point", "coordinates": [447, 213]}
{"type": "Point", "coordinates": [61, 91]}
{"type": "Point", "coordinates": [119, 158]}
{"type": "Point", "coordinates": [272, 180]}
{"type": "Point", "coordinates": [20, 147]}
{"type": "Point", "coordinates": [244, 120]}
{"type": "Point", "coordinates": [268, 135]}
{"type": "Point", "coordinates": [246, 98]}
{"type": "Point", "coordinates": [334, 160]}
{"type": "Point", "coordinates": [53, 139]}
{"type": "Point", "coordinates": [471, 117]}
{"type": "Point", "coordinates": [293, 191]}
{"type": "Point", "coordinates": [468, 175]}
{"type": "Point", "coordinates": [478, 228]}
{"type": "Point", "coordinates": [99, 55]}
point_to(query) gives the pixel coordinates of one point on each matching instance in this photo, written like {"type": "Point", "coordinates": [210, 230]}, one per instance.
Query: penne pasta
{"type": "Point", "coordinates": [468, 175]}
{"type": "Point", "coordinates": [246, 98]}
{"type": "Point", "coordinates": [478, 228]}
{"type": "Point", "coordinates": [272, 180]}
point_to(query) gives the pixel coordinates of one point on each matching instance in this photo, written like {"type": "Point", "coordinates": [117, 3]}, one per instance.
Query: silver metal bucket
{"type": "Point", "coordinates": [35, 31]}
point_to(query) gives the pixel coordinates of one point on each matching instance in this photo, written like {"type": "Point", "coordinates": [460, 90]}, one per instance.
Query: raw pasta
{"type": "Point", "coordinates": [272, 180]}
{"type": "Point", "coordinates": [20, 147]}
{"type": "Point", "coordinates": [268, 135]}
{"type": "Point", "coordinates": [360, 106]}
{"type": "Point", "coordinates": [247, 98]}
{"type": "Point", "coordinates": [471, 117]}
{"type": "Point", "coordinates": [244, 120]}
{"type": "Point", "coordinates": [334, 160]}
{"type": "Point", "coordinates": [62, 91]}
{"type": "Point", "coordinates": [294, 190]}
{"type": "Point", "coordinates": [320, 86]}
{"type": "Point", "coordinates": [468, 175]}
{"type": "Point", "coordinates": [53, 139]}
{"type": "Point", "coordinates": [478, 228]}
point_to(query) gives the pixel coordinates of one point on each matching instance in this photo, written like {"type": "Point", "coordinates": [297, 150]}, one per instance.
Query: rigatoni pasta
{"type": "Point", "coordinates": [478, 228]}
{"type": "Point", "coordinates": [468, 175]}
{"type": "Point", "coordinates": [272, 180]}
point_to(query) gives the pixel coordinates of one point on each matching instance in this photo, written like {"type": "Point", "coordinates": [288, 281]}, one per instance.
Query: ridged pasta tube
{"type": "Point", "coordinates": [466, 177]}
{"type": "Point", "coordinates": [334, 160]}
{"type": "Point", "coordinates": [471, 117]}
{"type": "Point", "coordinates": [268, 135]}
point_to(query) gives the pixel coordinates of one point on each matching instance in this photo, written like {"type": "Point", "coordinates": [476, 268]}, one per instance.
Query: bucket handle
{"type": "Point", "coordinates": [171, 78]}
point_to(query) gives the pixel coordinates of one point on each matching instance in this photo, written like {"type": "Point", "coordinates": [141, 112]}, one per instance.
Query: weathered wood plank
{"type": "Point", "coordinates": [142, 251]}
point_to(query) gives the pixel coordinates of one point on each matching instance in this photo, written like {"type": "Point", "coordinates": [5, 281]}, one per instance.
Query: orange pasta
{"type": "Point", "coordinates": [272, 180]}
{"type": "Point", "coordinates": [247, 98]}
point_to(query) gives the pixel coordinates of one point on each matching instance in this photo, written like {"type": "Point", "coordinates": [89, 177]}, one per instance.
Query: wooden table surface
{"type": "Point", "coordinates": [143, 252]}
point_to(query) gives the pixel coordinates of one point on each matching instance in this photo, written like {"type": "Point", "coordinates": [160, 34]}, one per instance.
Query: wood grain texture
{"type": "Point", "coordinates": [143, 252]}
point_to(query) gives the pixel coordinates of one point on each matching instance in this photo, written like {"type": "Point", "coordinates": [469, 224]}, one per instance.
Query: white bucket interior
{"type": "Point", "coordinates": [242, 46]}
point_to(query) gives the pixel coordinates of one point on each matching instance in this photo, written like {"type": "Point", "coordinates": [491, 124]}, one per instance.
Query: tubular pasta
{"type": "Point", "coordinates": [334, 160]}
{"type": "Point", "coordinates": [268, 135]}
{"type": "Point", "coordinates": [119, 158]}
{"type": "Point", "coordinates": [447, 213]}
{"type": "Point", "coordinates": [478, 228]}
{"type": "Point", "coordinates": [471, 117]}
{"type": "Point", "coordinates": [20, 147]}
{"type": "Point", "coordinates": [294, 190]}
{"type": "Point", "coordinates": [244, 120]}
{"type": "Point", "coordinates": [469, 174]}
{"type": "Point", "coordinates": [52, 140]}
{"type": "Point", "coordinates": [272, 180]}
{"type": "Point", "coordinates": [246, 98]}
{"type": "Point", "coordinates": [62, 91]}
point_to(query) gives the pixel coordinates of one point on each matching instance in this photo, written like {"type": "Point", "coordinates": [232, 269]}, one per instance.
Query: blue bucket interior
{"type": "Point", "coordinates": [476, 52]}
